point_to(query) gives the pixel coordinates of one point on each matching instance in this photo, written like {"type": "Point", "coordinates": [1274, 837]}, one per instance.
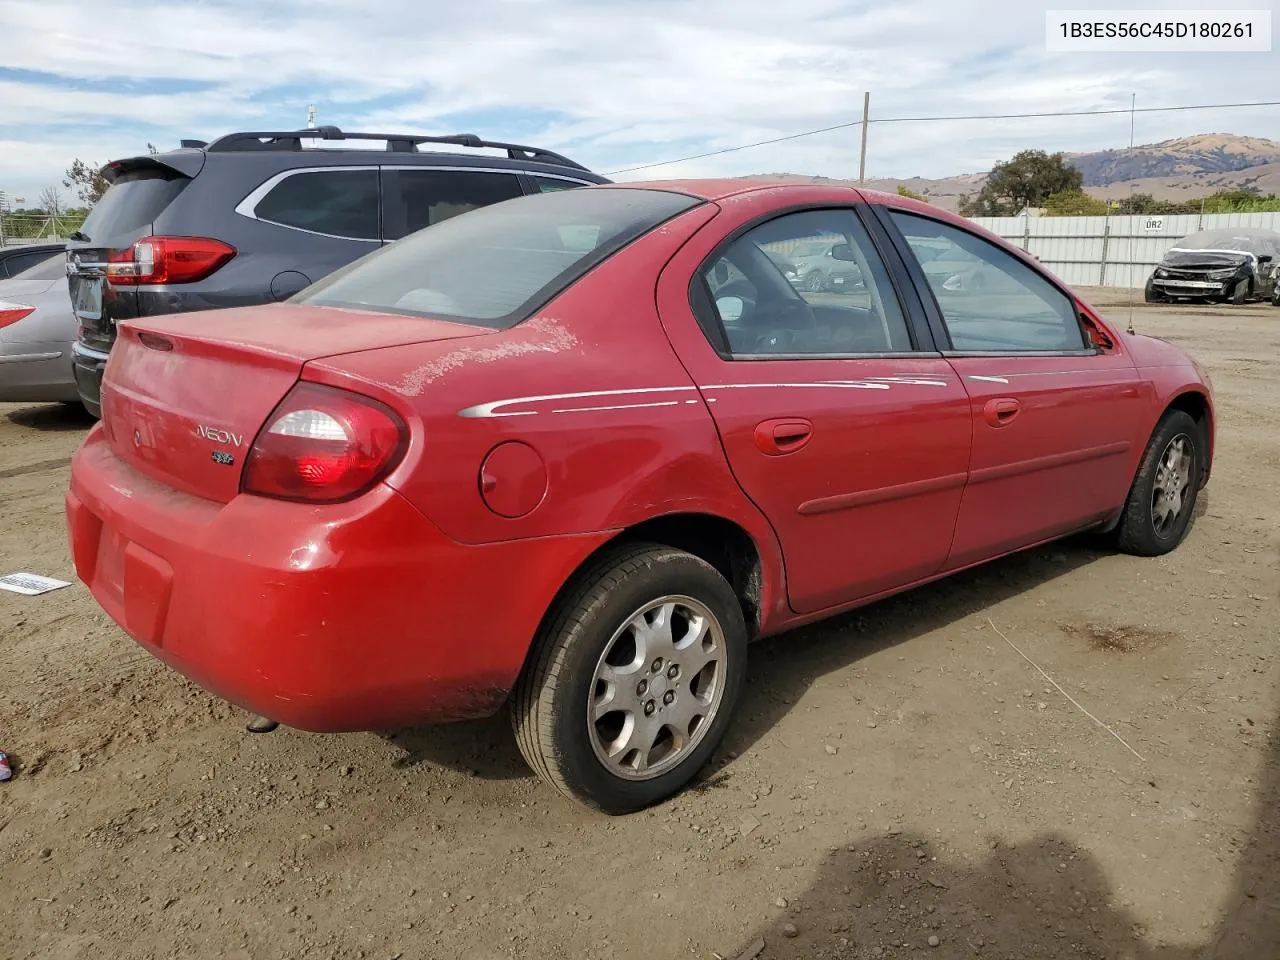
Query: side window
{"type": "Point", "coordinates": [551, 185]}
{"type": "Point", "coordinates": [419, 198]}
{"type": "Point", "coordinates": [340, 203]}
{"type": "Point", "coordinates": [990, 300]}
{"type": "Point", "coordinates": [805, 283]}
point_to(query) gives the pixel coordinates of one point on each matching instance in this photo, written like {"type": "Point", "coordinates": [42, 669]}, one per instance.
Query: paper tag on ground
{"type": "Point", "coordinates": [30, 584]}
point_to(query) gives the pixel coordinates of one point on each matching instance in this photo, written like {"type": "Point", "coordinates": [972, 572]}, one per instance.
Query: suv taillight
{"type": "Point", "coordinates": [155, 260]}
{"type": "Point", "coordinates": [323, 445]}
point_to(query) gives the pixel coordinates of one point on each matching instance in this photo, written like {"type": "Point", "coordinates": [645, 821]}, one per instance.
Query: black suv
{"type": "Point", "coordinates": [255, 217]}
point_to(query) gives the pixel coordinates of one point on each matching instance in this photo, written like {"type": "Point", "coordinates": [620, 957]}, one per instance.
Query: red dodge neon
{"type": "Point", "coordinates": [571, 452]}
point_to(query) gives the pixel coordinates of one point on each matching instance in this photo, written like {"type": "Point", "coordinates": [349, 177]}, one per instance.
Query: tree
{"type": "Point", "coordinates": [51, 201]}
{"type": "Point", "coordinates": [87, 181]}
{"type": "Point", "coordinates": [1027, 180]}
{"type": "Point", "coordinates": [1141, 203]}
{"type": "Point", "coordinates": [1074, 203]}
{"type": "Point", "coordinates": [904, 191]}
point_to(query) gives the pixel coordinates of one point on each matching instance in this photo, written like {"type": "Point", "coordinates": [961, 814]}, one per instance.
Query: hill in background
{"type": "Point", "coordinates": [1181, 169]}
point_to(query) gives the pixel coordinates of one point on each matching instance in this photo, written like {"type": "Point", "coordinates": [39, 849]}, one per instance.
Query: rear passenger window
{"type": "Point", "coordinates": [339, 203]}
{"type": "Point", "coordinates": [808, 283]}
{"type": "Point", "coordinates": [419, 198]}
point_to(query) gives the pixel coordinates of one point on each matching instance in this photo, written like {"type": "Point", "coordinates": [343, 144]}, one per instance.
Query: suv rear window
{"type": "Point", "coordinates": [133, 201]}
{"type": "Point", "coordinates": [495, 266]}
{"type": "Point", "coordinates": [419, 198]}
{"type": "Point", "coordinates": [340, 203]}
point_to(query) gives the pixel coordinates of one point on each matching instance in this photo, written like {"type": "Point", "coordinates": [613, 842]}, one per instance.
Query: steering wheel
{"type": "Point", "coordinates": [785, 325]}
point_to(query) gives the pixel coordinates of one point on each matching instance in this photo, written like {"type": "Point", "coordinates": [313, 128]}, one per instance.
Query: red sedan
{"type": "Point", "coordinates": [571, 452]}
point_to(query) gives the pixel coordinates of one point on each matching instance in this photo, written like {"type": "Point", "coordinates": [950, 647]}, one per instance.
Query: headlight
{"type": "Point", "coordinates": [953, 282]}
{"type": "Point", "coordinates": [1222, 274]}
{"type": "Point", "coordinates": [1161, 272]}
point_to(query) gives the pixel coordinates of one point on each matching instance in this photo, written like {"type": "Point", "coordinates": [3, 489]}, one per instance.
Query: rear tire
{"type": "Point", "coordinates": [633, 679]}
{"type": "Point", "coordinates": [1162, 499]}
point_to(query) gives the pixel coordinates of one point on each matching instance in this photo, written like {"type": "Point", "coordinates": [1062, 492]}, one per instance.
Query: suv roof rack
{"type": "Point", "coordinates": [396, 143]}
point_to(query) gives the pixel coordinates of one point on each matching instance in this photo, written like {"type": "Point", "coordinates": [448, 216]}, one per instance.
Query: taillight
{"type": "Point", "coordinates": [322, 445]}
{"type": "Point", "coordinates": [13, 312]}
{"type": "Point", "coordinates": [155, 260]}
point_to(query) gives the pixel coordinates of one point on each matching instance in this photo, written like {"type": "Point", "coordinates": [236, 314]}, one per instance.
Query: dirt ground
{"type": "Point", "coordinates": [899, 783]}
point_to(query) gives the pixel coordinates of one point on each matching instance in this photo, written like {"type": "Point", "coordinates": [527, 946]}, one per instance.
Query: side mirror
{"type": "Point", "coordinates": [730, 308]}
{"type": "Point", "coordinates": [721, 272]}
{"type": "Point", "coordinates": [843, 251]}
{"type": "Point", "coordinates": [1264, 258]}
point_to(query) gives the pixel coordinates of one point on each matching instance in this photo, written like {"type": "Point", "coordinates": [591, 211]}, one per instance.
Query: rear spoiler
{"type": "Point", "coordinates": [188, 163]}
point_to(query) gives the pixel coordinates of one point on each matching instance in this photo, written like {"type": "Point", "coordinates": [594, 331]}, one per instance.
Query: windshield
{"type": "Point", "coordinates": [496, 265]}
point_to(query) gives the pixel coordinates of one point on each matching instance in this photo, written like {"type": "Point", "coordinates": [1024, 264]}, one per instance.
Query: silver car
{"type": "Point", "coordinates": [37, 330]}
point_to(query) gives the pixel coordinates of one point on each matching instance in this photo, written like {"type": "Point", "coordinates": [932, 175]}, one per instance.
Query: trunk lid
{"type": "Point", "coordinates": [141, 188]}
{"type": "Point", "coordinates": [185, 395]}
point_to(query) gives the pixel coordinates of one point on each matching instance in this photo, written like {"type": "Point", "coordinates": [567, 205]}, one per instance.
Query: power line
{"type": "Point", "coordinates": [977, 116]}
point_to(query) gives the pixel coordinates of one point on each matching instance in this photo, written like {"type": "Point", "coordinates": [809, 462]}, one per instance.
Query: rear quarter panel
{"type": "Point", "coordinates": [590, 383]}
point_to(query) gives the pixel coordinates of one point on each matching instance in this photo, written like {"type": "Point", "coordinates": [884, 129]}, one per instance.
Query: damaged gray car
{"type": "Point", "coordinates": [1233, 265]}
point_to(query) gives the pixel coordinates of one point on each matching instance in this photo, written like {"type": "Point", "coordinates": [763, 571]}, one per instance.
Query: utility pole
{"type": "Point", "coordinates": [862, 154]}
{"type": "Point", "coordinates": [311, 115]}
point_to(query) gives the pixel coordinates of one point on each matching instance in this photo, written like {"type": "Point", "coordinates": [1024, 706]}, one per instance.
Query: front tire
{"type": "Point", "coordinates": [813, 282]}
{"type": "Point", "coordinates": [633, 679]}
{"type": "Point", "coordinates": [1163, 496]}
{"type": "Point", "coordinates": [1240, 292]}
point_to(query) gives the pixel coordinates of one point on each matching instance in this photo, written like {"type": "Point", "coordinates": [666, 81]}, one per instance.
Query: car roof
{"type": "Point", "coordinates": [722, 188]}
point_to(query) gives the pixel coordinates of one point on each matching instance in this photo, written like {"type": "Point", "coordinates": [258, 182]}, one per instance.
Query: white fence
{"type": "Point", "coordinates": [1111, 251]}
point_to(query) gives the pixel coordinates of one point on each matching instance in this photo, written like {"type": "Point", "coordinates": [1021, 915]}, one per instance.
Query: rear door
{"type": "Point", "coordinates": [838, 419]}
{"type": "Point", "coordinates": [140, 191]}
{"type": "Point", "coordinates": [1055, 410]}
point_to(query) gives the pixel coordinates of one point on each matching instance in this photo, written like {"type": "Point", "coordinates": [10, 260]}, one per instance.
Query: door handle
{"type": "Point", "coordinates": [1001, 411]}
{"type": "Point", "coordinates": [776, 437]}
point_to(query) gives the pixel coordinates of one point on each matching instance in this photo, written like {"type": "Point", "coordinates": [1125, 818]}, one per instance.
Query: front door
{"type": "Point", "coordinates": [1054, 413]}
{"type": "Point", "coordinates": [852, 440]}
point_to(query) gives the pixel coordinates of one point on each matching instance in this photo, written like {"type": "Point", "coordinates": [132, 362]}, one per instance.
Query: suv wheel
{"type": "Point", "coordinates": [633, 679]}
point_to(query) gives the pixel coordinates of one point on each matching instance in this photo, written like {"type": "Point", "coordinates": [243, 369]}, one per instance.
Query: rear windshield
{"type": "Point", "coordinates": [132, 202]}
{"type": "Point", "coordinates": [51, 268]}
{"type": "Point", "coordinates": [497, 265]}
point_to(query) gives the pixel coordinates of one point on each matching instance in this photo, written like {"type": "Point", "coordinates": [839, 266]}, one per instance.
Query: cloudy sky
{"type": "Point", "coordinates": [613, 83]}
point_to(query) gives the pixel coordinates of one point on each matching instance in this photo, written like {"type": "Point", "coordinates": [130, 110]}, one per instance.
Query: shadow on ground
{"type": "Point", "coordinates": [886, 897]}
{"type": "Point", "coordinates": [53, 417]}
{"type": "Point", "coordinates": [782, 668]}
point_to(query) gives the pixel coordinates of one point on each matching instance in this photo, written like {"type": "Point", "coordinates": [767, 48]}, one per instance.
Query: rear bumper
{"type": "Point", "coordinates": [350, 616]}
{"type": "Point", "coordinates": [87, 368]}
